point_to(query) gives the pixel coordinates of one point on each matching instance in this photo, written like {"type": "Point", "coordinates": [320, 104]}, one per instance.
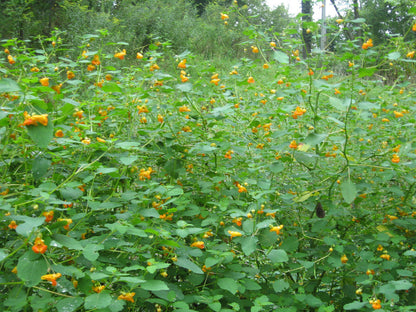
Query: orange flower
{"type": "Point", "coordinates": [310, 73]}
{"type": "Point", "coordinates": [198, 244]}
{"type": "Point", "coordinates": [414, 27]}
{"type": "Point", "coordinates": [86, 141]}
{"type": "Point", "coordinates": [48, 216]}
{"type": "Point", "coordinates": [98, 289]}
{"type": "Point", "coordinates": [398, 114]}
{"type": "Point", "coordinates": [276, 229]}
{"type": "Point", "coordinates": [78, 114]}
{"type": "Point", "coordinates": [241, 189]}
{"type": "Point", "coordinates": [44, 81]}
{"type": "Point", "coordinates": [235, 234]}
{"type": "Point", "coordinates": [265, 66]}
{"type": "Point", "coordinates": [228, 154]}
{"type": "Point", "coordinates": [70, 74]}
{"type": "Point", "coordinates": [224, 16]}
{"type": "Point", "coordinates": [120, 55]}
{"type": "Point", "coordinates": [6, 51]}
{"type": "Point", "coordinates": [183, 76]}
{"type": "Point", "coordinates": [254, 49]}
{"type": "Point", "coordinates": [96, 60]}
{"type": "Point", "coordinates": [35, 119]}
{"type": "Point", "coordinates": [182, 64]}
{"type": "Point", "coordinates": [273, 44]}
{"type": "Point", "coordinates": [385, 257]}
{"type": "Point", "coordinates": [298, 112]}
{"type": "Point", "coordinates": [154, 67]}
{"type": "Point", "coordinates": [39, 246]}
{"type": "Point", "coordinates": [344, 259]}
{"type": "Point", "coordinates": [68, 222]}
{"type": "Point", "coordinates": [160, 118]}
{"type": "Point", "coordinates": [34, 69]}
{"type": "Point", "coordinates": [337, 91]}
{"type": "Point", "coordinates": [51, 278]}
{"type": "Point", "coordinates": [100, 140]}
{"type": "Point", "coordinates": [250, 80]}
{"type": "Point", "coordinates": [145, 174]}
{"type": "Point", "coordinates": [293, 144]}
{"type": "Point", "coordinates": [184, 108]}
{"type": "Point", "coordinates": [376, 304]}
{"type": "Point", "coordinates": [90, 67]}
{"type": "Point", "coordinates": [139, 56]}
{"type": "Point", "coordinates": [411, 54]}
{"type": "Point", "coordinates": [395, 159]}
{"type": "Point", "coordinates": [11, 59]}
{"type": "Point", "coordinates": [12, 225]}
{"type": "Point", "coordinates": [127, 296]}
{"type": "Point", "coordinates": [367, 44]}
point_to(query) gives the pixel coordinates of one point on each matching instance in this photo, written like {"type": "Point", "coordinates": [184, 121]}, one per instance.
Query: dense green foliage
{"type": "Point", "coordinates": [150, 176]}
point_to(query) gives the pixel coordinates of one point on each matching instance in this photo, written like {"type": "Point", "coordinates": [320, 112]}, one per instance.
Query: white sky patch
{"type": "Point", "coordinates": [294, 7]}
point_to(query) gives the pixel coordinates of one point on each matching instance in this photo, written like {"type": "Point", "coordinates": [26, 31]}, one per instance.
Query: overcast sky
{"type": "Point", "coordinates": [294, 7]}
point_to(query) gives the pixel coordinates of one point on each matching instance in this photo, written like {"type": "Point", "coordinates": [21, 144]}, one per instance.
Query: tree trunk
{"type": "Point", "coordinates": [307, 17]}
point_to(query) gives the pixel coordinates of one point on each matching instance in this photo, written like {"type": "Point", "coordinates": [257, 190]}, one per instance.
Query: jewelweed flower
{"type": "Point", "coordinates": [86, 141]}
{"type": "Point", "coordinates": [254, 49]}
{"type": "Point", "coordinates": [344, 259]}
{"type": "Point", "coordinates": [367, 44]}
{"type": "Point", "coordinates": [293, 144]}
{"type": "Point", "coordinates": [145, 174]}
{"type": "Point", "coordinates": [44, 81]}
{"type": "Point", "coordinates": [276, 229]}
{"type": "Point", "coordinates": [6, 51]}
{"type": "Point", "coordinates": [35, 119]}
{"type": "Point", "coordinates": [11, 59]}
{"type": "Point", "coordinates": [120, 55]}
{"type": "Point", "coordinates": [127, 296]}
{"type": "Point", "coordinates": [298, 112]}
{"type": "Point", "coordinates": [12, 225]}
{"type": "Point", "coordinates": [39, 246]}
{"type": "Point", "coordinates": [68, 222]}
{"type": "Point", "coordinates": [414, 27]}
{"type": "Point", "coordinates": [34, 69]}
{"type": "Point", "coordinates": [90, 67]}
{"type": "Point", "coordinates": [198, 244]}
{"type": "Point", "coordinates": [139, 56]}
{"type": "Point", "coordinates": [182, 64]}
{"type": "Point", "coordinates": [96, 60]}
{"type": "Point", "coordinates": [78, 114]}
{"type": "Point", "coordinates": [48, 216]}
{"type": "Point", "coordinates": [376, 304]}
{"type": "Point", "coordinates": [337, 91]}
{"type": "Point", "coordinates": [154, 67]}
{"type": "Point", "coordinates": [310, 73]}
{"type": "Point", "coordinates": [273, 44]}
{"type": "Point", "coordinates": [241, 189]}
{"type": "Point", "coordinates": [385, 257]}
{"type": "Point", "coordinates": [250, 80]}
{"type": "Point", "coordinates": [51, 278]}
{"type": "Point", "coordinates": [339, 20]}
{"type": "Point", "coordinates": [265, 66]}
{"type": "Point", "coordinates": [228, 154]}
{"type": "Point", "coordinates": [98, 289]}
{"type": "Point", "coordinates": [160, 118]}
{"type": "Point", "coordinates": [70, 74]}
{"type": "Point", "coordinates": [100, 140]}
{"type": "Point", "coordinates": [398, 114]}
{"type": "Point", "coordinates": [235, 234]}
{"type": "Point", "coordinates": [224, 16]}
{"type": "Point", "coordinates": [184, 109]}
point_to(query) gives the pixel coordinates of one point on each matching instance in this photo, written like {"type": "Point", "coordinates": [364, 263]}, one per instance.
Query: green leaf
{"type": "Point", "coordinates": [3, 254]}
{"type": "Point", "coordinates": [281, 57]}
{"type": "Point", "coordinates": [31, 267]}
{"type": "Point", "coordinates": [174, 192]}
{"type": "Point", "coordinates": [154, 285]}
{"type": "Point", "coordinates": [356, 305]}
{"type": "Point", "coordinates": [366, 72]}
{"type": "Point", "coordinates": [91, 251]}
{"type": "Point", "coordinates": [111, 87]}
{"type": "Point", "coordinates": [97, 301]}
{"type": "Point", "coordinates": [315, 138]}
{"type": "Point", "coordinates": [280, 285]}
{"type": "Point", "coordinates": [40, 166]}
{"type": "Point", "coordinates": [184, 87]}
{"type": "Point", "coordinates": [41, 135]}
{"type": "Point", "coordinates": [67, 241]}
{"type": "Point", "coordinates": [249, 244]}
{"type": "Point", "coordinates": [188, 264]}
{"type": "Point", "coordinates": [69, 304]}
{"type": "Point", "coordinates": [29, 225]}
{"type": "Point", "coordinates": [8, 85]}
{"type": "Point", "coordinates": [401, 284]}
{"type": "Point", "coordinates": [228, 284]}
{"type": "Point", "coordinates": [128, 160]}
{"type": "Point", "coordinates": [70, 194]}
{"type": "Point", "coordinates": [393, 56]}
{"type": "Point", "coordinates": [278, 256]}
{"type": "Point", "coordinates": [348, 191]}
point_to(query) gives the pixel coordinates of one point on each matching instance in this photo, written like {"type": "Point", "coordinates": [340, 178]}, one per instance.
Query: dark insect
{"type": "Point", "coordinates": [320, 212]}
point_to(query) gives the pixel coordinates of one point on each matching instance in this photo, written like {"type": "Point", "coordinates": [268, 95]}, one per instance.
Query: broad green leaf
{"type": "Point", "coordinates": [31, 267]}
{"type": "Point", "coordinates": [3, 254]}
{"type": "Point", "coordinates": [278, 256]}
{"type": "Point", "coordinates": [154, 285]}
{"type": "Point", "coordinates": [189, 265]}
{"type": "Point", "coordinates": [249, 244]}
{"type": "Point", "coordinates": [184, 87]}
{"type": "Point", "coordinates": [281, 57]}
{"type": "Point", "coordinates": [91, 251]}
{"type": "Point", "coordinates": [40, 166]}
{"type": "Point", "coordinates": [67, 241]}
{"type": "Point", "coordinates": [8, 85]}
{"type": "Point", "coordinates": [366, 72]}
{"type": "Point", "coordinates": [16, 299]}
{"type": "Point", "coordinates": [402, 284]}
{"type": "Point", "coordinates": [228, 284]}
{"type": "Point", "coordinates": [348, 191]}
{"type": "Point", "coordinates": [393, 56]}
{"type": "Point", "coordinates": [128, 160]}
{"type": "Point", "coordinates": [70, 194]}
{"type": "Point", "coordinates": [356, 305]}
{"type": "Point", "coordinates": [41, 135]}
{"type": "Point", "coordinates": [174, 192]}
{"type": "Point", "coordinates": [97, 301]}
{"type": "Point", "coordinates": [210, 262]}
{"type": "Point", "coordinates": [280, 285]}
{"type": "Point", "coordinates": [111, 87]}
{"type": "Point", "coordinates": [29, 225]}
{"type": "Point", "coordinates": [69, 304]}
{"type": "Point", "coordinates": [315, 138]}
